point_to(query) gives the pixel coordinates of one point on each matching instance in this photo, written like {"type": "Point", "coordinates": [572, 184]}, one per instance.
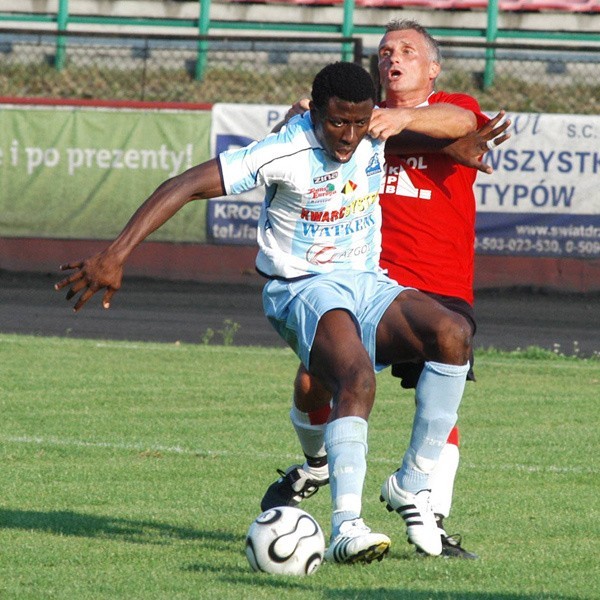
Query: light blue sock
{"type": "Point", "coordinates": [346, 445]}
{"type": "Point", "coordinates": [439, 392]}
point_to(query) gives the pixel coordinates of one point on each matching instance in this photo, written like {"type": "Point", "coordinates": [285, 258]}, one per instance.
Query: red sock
{"type": "Point", "coordinates": [454, 437]}
{"type": "Point", "coordinates": [320, 415]}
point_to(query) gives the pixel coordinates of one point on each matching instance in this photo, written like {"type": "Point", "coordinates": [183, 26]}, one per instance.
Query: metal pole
{"type": "Point", "coordinates": [490, 37]}
{"type": "Point", "coordinates": [203, 28]}
{"type": "Point", "coordinates": [62, 22]}
{"type": "Point", "coordinates": [348, 29]}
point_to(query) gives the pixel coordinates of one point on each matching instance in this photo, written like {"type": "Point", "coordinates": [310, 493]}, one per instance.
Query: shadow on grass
{"type": "Point", "coordinates": [379, 593]}
{"type": "Point", "coordinates": [68, 523]}
{"type": "Point", "coordinates": [398, 593]}
{"type": "Point", "coordinates": [395, 593]}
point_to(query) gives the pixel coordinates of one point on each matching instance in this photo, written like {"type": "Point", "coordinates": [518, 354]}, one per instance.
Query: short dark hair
{"type": "Point", "coordinates": [344, 80]}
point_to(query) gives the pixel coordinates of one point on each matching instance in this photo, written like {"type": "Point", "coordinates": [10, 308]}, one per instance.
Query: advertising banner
{"type": "Point", "coordinates": [81, 172]}
{"type": "Point", "coordinates": [233, 219]}
{"type": "Point", "coordinates": [543, 198]}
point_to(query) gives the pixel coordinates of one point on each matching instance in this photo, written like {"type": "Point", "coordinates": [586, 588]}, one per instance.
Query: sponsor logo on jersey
{"type": "Point", "coordinates": [315, 230]}
{"type": "Point", "coordinates": [361, 204]}
{"type": "Point", "coordinates": [349, 187]}
{"type": "Point", "coordinates": [329, 216]}
{"type": "Point", "coordinates": [374, 166]}
{"type": "Point", "coordinates": [397, 181]}
{"type": "Point", "coordinates": [323, 216]}
{"type": "Point", "coordinates": [321, 255]}
{"type": "Point", "coordinates": [326, 177]}
{"type": "Point", "coordinates": [322, 192]}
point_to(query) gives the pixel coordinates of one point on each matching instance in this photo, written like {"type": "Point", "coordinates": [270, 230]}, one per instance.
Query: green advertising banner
{"type": "Point", "coordinates": [80, 173]}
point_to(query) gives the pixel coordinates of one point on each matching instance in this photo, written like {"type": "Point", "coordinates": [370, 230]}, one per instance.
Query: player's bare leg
{"type": "Point", "coordinates": [301, 481]}
{"type": "Point", "coordinates": [443, 339]}
{"type": "Point", "coordinates": [341, 363]}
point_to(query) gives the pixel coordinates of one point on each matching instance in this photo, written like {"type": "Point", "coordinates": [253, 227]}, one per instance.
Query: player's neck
{"type": "Point", "coordinates": [406, 100]}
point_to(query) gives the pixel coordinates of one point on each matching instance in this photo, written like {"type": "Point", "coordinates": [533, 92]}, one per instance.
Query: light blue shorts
{"type": "Point", "coordinates": [295, 307]}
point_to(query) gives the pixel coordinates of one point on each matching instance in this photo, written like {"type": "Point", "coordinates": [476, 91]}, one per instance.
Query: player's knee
{"type": "Point", "coordinates": [356, 377]}
{"type": "Point", "coordinates": [454, 339]}
{"type": "Point", "coordinates": [356, 392]}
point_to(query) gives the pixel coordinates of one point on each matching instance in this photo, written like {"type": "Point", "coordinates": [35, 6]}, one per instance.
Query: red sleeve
{"type": "Point", "coordinates": [464, 101]}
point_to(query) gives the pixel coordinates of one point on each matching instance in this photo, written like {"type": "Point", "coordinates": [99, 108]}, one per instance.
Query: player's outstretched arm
{"type": "Point", "coordinates": [104, 271]}
{"type": "Point", "coordinates": [469, 149]}
{"type": "Point", "coordinates": [439, 120]}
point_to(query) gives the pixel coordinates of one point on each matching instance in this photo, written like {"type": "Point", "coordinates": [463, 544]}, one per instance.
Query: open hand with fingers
{"type": "Point", "coordinates": [469, 149]}
{"type": "Point", "coordinates": [101, 271]}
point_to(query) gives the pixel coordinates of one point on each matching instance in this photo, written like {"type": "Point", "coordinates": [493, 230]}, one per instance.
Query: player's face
{"type": "Point", "coordinates": [342, 126]}
{"type": "Point", "coordinates": [407, 68]}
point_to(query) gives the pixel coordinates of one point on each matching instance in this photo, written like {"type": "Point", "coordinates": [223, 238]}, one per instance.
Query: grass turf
{"type": "Point", "coordinates": [134, 470]}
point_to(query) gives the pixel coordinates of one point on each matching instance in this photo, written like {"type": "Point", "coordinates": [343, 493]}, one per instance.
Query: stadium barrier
{"type": "Point", "coordinates": [72, 175]}
{"type": "Point", "coordinates": [349, 23]}
{"type": "Point", "coordinates": [151, 67]}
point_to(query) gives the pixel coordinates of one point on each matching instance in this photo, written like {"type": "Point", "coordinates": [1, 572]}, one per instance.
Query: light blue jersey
{"type": "Point", "coordinates": [318, 215]}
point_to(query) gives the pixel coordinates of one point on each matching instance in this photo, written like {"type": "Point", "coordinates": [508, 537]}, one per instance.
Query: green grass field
{"type": "Point", "coordinates": [132, 471]}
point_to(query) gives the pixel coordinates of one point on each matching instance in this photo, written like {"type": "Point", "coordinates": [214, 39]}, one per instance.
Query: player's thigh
{"type": "Point", "coordinates": [417, 327]}
{"type": "Point", "coordinates": [338, 357]}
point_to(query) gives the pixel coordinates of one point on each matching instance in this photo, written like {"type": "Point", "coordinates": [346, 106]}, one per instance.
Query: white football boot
{"type": "Point", "coordinates": [355, 542]}
{"type": "Point", "coordinates": [415, 509]}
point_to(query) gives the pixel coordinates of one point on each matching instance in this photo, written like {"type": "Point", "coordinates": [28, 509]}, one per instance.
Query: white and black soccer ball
{"type": "Point", "coordinates": [285, 541]}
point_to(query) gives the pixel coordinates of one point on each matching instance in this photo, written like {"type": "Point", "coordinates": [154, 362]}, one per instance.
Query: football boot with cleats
{"type": "Point", "coordinates": [294, 485]}
{"type": "Point", "coordinates": [415, 509]}
{"type": "Point", "coordinates": [356, 543]}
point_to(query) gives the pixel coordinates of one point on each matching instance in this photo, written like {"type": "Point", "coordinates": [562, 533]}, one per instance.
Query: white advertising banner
{"type": "Point", "coordinates": [233, 220]}
{"type": "Point", "coordinates": [543, 198]}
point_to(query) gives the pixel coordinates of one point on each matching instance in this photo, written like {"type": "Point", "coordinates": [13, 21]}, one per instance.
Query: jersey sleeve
{"type": "Point", "coordinates": [239, 169]}
{"type": "Point", "coordinates": [264, 162]}
{"type": "Point", "coordinates": [464, 101]}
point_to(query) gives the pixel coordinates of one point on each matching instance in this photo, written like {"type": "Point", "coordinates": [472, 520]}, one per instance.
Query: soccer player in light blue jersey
{"type": "Point", "coordinates": [319, 242]}
{"type": "Point", "coordinates": [428, 224]}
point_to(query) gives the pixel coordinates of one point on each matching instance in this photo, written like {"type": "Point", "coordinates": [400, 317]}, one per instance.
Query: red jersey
{"type": "Point", "coordinates": [428, 209]}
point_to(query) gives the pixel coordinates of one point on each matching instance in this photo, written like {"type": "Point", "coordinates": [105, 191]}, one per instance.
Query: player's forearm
{"type": "Point", "coordinates": [171, 196]}
{"type": "Point", "coordinates": [441, 120]}
{"type": "Point", "coordinates": [409, 143]}
{"type": "Point", "coordinates": [149, 217]}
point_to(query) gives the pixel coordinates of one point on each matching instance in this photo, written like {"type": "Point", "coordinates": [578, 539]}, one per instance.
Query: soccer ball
{"type": "Point", "coordinates": [285, 541]}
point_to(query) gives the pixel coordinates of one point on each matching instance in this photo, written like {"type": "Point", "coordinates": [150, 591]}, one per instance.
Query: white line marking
{"type": "Point", "coordinates": [141, 447]}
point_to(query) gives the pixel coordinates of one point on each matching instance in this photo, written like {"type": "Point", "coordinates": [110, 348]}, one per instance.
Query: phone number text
{"type": "Point", "coordinates": [502, 245]}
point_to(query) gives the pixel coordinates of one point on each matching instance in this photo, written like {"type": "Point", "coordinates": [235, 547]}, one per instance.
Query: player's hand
{"type": "Point", "coordinates": [101, 271]}
{"type": "Point", "coordinates": [469, 149]}
{"type": "Point", "coordinates": [387, 122]}
{"type": "Point", "coordinates": [298, 108]}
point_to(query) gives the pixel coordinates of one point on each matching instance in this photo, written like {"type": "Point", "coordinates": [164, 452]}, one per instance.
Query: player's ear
{"type": "Point", "coordinates": [434, 69]}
